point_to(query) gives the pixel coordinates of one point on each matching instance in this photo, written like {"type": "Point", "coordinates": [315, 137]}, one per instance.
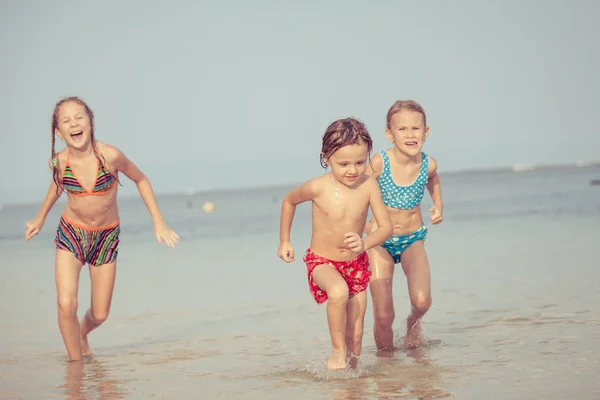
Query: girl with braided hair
{"type": "Point", "coordinates": [88, 231]}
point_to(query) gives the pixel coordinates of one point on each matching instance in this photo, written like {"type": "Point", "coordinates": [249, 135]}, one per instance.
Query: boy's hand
{"type": "Point", "coordinates": [355, 242]}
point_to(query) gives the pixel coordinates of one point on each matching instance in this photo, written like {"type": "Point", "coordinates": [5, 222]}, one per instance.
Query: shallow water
{"type": "Point", "coordinates": [515, 303]}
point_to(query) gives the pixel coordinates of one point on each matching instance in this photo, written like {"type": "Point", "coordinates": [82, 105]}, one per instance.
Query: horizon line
{"type": "Point", "coordinates": [516, 168]}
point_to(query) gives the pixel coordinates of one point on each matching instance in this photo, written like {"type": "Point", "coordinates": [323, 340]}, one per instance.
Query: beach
{"type": "Point", "coordinates": [515, 314]}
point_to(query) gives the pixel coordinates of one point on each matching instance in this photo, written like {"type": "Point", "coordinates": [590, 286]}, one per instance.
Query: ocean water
{"type": "Point", "coordinates": [515, 315]}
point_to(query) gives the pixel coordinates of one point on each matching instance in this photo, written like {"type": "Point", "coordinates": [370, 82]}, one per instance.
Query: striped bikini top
{"type": "Point", "coordinates": [105, 180]}
{"type": "Point", "coordinates": [402, 197]}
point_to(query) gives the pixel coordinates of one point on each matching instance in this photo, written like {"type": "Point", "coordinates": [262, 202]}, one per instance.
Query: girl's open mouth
{"type": "Point", "coordinates": [77, 135]}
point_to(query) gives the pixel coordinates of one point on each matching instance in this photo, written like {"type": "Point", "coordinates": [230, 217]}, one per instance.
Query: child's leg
{"type": "Point", "coordinates": [382, 268]}
{"type": "Point", "coordinates": [329, 280]}
{"type": "Point", "coordinates": [67, 272]}
{"type": "Point", "coordinates": [416, 268]}
{"type": "Point", "coordinates": [103, 283]}
{"type": "Point", "coordinates": [355, 311]}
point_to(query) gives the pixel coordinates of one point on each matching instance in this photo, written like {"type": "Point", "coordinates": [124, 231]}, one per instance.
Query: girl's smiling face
{"type": "Point", "coordinates": [73, 125]}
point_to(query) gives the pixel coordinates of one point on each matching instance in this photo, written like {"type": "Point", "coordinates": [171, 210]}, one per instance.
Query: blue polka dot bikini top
{"type": "Point", "coordinates": [402, 197]}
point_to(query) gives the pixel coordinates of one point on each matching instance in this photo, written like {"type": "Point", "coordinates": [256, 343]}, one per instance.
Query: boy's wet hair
{"type": "Point", "coordinates": [344, 132]}
{"type": "Point", "coordinates": [55, 165]}
{"type": "Point", "coordinates": [401, 105]}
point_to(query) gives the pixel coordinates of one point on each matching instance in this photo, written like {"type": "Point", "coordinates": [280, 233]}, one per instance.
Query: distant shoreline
{"type": "Point", "coordinates": [525, 168]}
{"type": "Point", "coordinates": [517, 168]}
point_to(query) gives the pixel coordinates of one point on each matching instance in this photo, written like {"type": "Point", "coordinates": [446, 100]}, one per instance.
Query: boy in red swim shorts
{"type": "Point", "coordinates": [355, 272]}
{"type": "Point", "coordinates": [337, 262]}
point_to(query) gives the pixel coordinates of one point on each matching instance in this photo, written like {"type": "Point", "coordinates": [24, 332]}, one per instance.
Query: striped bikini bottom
{"type": "Point", "coordinates": [94, 246]}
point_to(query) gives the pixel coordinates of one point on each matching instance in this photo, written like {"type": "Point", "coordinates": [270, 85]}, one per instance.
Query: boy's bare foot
{"type": "Point", "coordinates": [85, 347]}
{"type": "Point", "coordinates": [353, 361]}
{"type": "Point", "coordinates": [337, 360]}
{"type": "Point", "coordinates": [414, 337]}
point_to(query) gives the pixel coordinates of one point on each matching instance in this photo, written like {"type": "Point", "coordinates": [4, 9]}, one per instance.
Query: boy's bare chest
{"type": "Point", "coordinates": [343, 207]}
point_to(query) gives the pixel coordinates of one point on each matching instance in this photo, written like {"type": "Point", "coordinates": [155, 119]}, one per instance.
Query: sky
{"type": "Point", "coordinates": [224, 94]}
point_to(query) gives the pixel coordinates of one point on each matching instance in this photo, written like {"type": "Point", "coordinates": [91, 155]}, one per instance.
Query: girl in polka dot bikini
{"type": "Point", "coordinates": [403, 172]}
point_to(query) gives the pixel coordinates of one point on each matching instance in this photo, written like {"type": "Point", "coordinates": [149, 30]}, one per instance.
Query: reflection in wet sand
{"type": "Point", "coordinates": [90, 379]}
{"type": "Point", "coordinates": [391, 379]}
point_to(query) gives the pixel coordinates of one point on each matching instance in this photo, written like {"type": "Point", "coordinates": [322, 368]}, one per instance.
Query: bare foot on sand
{"type": "Point", "coordinates": [85, 347]}
{"type": "Point", "coordinates": [337, 360]}
{"type": "Point", "coordinates": [414, 336]}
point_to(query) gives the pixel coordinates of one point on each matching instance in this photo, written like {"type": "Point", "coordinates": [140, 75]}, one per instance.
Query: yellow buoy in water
{"type": "Point", "coordinates": [208, 207]}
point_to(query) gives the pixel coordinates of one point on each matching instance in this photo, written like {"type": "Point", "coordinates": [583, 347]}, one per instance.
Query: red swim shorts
{"type": "Point", "coordinates": [355, 272]}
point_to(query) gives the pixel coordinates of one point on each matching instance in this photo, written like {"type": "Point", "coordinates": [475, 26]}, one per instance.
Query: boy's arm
{"type": "Point", "coordinates": [384, 223]}
{"type": "Point", "coordinates": [306, 192]}
{"type": "Point", "coordinates": [374, 168]}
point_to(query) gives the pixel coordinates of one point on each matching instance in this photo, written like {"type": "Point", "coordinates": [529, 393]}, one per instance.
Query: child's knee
{"type": "Point", "coordinates": [422, 302]}
{"type": "Point", "coordinates": [338, 293]}
{"type": "Point", "coordinates": [67, 306]}
{"type": "Point", "coordinates": [99, 316]}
